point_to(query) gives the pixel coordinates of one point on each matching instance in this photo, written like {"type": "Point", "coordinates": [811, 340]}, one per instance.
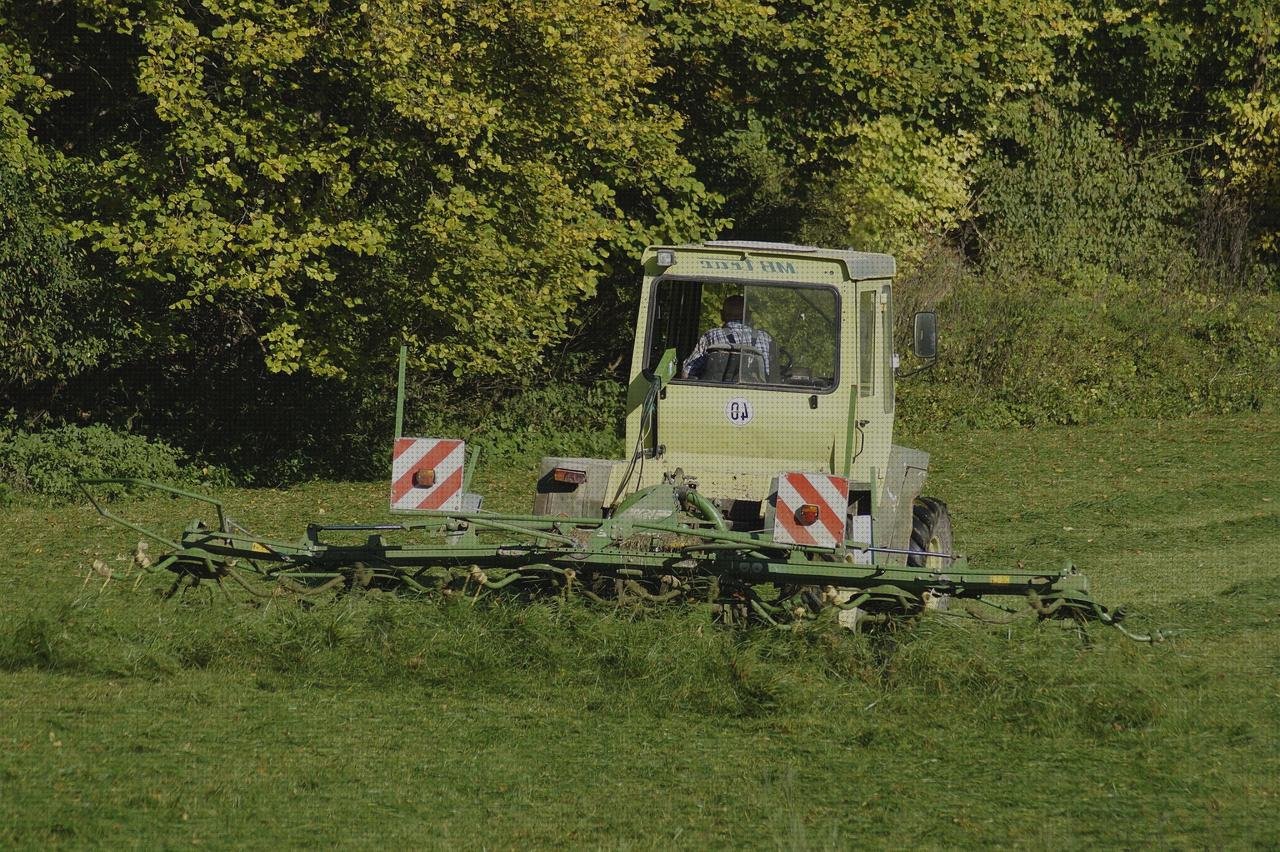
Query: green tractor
{"type": "Point", "coordinates": [761, 477]}
{"type": "Point", "coordinates": [799, 382]}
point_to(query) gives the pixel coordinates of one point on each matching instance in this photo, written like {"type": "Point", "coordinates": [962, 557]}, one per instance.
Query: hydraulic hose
{"type": "Point", "coordinates": [705, 508]}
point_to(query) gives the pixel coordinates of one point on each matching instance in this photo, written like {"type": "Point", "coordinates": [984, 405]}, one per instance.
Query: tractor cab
{"type": "Point", "coordinates": [776, 389]}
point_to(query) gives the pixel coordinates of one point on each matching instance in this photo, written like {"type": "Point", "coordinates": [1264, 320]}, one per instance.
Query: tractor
{"type": "Point", "coordinates": [760, 477]}
{"type": "Point", "coordinates": [814, 405]}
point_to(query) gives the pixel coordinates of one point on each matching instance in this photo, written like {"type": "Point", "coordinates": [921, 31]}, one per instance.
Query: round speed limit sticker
{"type": "Point", "coordinates": [738, 411]}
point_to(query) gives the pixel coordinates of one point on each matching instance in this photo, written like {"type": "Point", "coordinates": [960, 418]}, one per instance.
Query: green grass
{"type": "Point", "coordinates": [125, 720]}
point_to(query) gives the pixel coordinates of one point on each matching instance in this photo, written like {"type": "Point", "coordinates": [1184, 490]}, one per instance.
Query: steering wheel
{"type": "Point", "coordinates": [785, 360]}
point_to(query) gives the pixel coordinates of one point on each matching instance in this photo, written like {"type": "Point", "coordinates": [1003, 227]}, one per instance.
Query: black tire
{"type": "Point", "coordinates": [930, 533]}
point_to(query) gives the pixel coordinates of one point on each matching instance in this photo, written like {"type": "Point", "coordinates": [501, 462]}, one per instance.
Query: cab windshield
{"type": "Point", "coordinates": [733, 333]}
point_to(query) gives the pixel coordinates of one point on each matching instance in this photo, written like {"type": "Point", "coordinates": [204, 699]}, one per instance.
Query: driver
{"type": "Point", "coordinates": [733, 332]}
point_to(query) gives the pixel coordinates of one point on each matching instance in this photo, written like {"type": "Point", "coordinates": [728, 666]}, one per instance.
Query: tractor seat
{"type": "Point", "coordinates": [733, 364]}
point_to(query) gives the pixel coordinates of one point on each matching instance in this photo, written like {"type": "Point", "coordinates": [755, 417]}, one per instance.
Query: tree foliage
{"type": "Point", "coordinates": [49, 310]}
{"type": "Point", "coordinates": [1204, 78]}
{"type": "Point", "coordinates": [330, 176]}
{"type": "Point", "coordinates": [1065, 196]}
{"type": "Point", "coordinates": [52, 315]}
{"type": "Point", "coordinates": [289, 188]}
{"type": "Point", "coordinates": [850, 122]}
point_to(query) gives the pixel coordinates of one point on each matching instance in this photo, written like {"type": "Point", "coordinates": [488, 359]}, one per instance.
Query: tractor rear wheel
{"type": "Point", "coordinates": [930, 534]}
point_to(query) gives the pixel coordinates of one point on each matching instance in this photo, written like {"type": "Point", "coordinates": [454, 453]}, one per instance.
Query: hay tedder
{"type": "Point", "coordinates": [761, 478]}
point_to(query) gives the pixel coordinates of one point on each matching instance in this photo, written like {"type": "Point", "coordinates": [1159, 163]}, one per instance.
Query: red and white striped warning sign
{"type": "Point", "coordinates": [829, 493]}
{"type": "Point", "coordinates": [438, 463]}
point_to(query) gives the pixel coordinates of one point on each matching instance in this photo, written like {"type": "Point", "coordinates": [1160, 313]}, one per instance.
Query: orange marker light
{"type": "Point", "coordinates": [570, 475]}
{"type": "Point", "coordinates": [807, 515]}
{"type": "Point", "coordinates": [424, 477]}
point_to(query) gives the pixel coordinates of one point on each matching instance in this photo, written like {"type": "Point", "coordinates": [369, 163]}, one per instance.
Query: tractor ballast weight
{"type": "Point", "coordinates": [760, 455]}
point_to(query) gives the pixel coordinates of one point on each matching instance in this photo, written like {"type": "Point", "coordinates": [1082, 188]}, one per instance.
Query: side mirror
{"type": "Point", "coordinates": [925, 335]}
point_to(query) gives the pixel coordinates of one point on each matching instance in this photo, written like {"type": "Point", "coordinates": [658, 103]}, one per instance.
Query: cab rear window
{"type": "Point", "coordinates": [725, 332]}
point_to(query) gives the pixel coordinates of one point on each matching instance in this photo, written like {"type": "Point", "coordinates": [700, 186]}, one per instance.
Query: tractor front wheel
{"type": "Point", "coordinates": [930, 534]}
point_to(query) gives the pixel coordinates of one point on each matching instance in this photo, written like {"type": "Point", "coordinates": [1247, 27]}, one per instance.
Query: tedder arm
{"type": "Point", "coordinates": [637, 556]}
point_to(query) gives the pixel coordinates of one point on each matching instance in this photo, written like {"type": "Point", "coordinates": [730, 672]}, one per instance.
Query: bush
{"type": "Point", "coordinates": [561, 417]}
{"type": "Point", "coordinates": [49, 463]}
{"type": "Point", "coordinates": [1060, 195]}
{"type": "Point", "coordinates": [1093, 346]}
{"type": "Point", "coordinates": [1083, 299]}
{"type": "Point", "coordinates": [53, 316]}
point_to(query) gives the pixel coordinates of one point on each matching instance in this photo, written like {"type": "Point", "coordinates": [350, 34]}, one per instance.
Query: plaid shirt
{"type": "Point", "coordinates": [732, 333]}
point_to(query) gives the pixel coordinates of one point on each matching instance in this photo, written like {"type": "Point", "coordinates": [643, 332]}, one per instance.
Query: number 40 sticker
{"type": "Point", "coordinates": [738, 411]}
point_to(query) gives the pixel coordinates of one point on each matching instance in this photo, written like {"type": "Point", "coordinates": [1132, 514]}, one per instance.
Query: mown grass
{"type": "Point", "coordinates": [382, 719]}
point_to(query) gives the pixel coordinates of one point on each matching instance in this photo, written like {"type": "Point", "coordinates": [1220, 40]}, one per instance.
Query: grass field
{"type": "Point", "coordinates": [125, 720]}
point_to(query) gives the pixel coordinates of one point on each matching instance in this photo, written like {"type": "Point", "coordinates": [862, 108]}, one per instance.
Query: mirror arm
{"type": "Point", "coordinates": [926, 365]}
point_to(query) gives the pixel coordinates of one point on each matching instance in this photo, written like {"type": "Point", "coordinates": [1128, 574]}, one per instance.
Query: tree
{"type": "Point", "coordinates": [325, 178]}
{"type": "Point", "coordinates": [49, 310]}
{"type": "Point", "coordinates": [850, 122]}
{"type": "Point", "coordinates": [1201, 77]}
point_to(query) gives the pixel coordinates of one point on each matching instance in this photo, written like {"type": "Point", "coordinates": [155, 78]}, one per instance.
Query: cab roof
{"type": "Point", "coordinates": [860, 265]}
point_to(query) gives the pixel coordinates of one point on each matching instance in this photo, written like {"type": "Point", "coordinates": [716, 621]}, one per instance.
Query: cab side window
{"type": "Point", "coordinates": [866, 342]}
